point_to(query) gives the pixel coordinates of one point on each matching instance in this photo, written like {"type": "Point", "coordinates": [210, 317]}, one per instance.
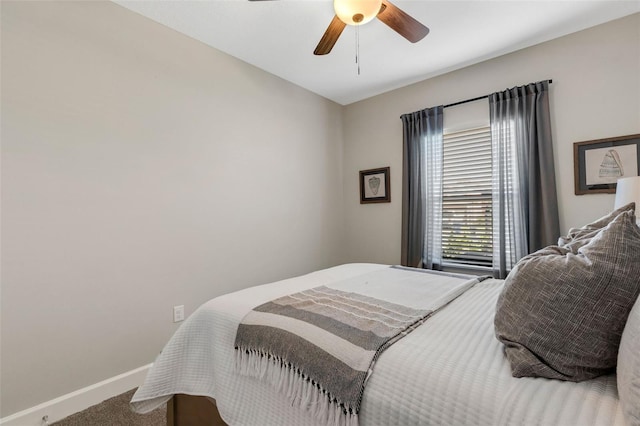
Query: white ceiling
{"type": "Point", "coordinates": [279, 36]}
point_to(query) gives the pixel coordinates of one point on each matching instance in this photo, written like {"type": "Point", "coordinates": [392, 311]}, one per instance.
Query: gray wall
{"type": "Point", "coordinates": [595, 94]}
{"type": "Point", "coordinates": [141, 170]}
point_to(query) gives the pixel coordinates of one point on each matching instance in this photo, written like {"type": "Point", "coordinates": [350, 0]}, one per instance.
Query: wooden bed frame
{"type": "Point", "coordinates": [189, 410]}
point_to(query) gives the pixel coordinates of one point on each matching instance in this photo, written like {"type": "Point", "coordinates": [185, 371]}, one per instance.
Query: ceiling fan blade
{"type": "Point", "coordinates": [330, 36]}
{"type": "Point", "coordinates": [401, 22]}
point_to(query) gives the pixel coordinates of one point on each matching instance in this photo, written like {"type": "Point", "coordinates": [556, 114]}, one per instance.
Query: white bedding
{"type": "Point", "coordinates": [450, 371]}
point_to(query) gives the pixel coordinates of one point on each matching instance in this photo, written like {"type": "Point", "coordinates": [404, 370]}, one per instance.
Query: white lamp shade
{"type": "Point", "coordinates": [627, 191]}
{"type": "Point", "coordinates": [356, 12]}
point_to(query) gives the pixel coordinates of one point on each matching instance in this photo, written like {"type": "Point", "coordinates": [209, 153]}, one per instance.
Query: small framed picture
{"type": "Point", "coordinates": [375, 186]}
{"type": "Point", "coordinates": [598, 164]}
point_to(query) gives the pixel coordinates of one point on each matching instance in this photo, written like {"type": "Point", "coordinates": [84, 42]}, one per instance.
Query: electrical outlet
{"type": "Point", "coordinates": [178, 313]}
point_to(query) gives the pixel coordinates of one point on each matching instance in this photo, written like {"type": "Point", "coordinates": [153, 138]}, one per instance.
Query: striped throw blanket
{"type": "Point", "coordinates": [318, 346]}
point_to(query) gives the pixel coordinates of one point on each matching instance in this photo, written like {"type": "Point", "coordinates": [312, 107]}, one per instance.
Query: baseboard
{"type": "Point", "coordinates": [71, 403]}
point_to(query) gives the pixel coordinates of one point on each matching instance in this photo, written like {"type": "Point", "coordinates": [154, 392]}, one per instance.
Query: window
{"type": "Point", "coordinates": [480, 186]}
{"type": "Point", "coordinates": [466, 198]}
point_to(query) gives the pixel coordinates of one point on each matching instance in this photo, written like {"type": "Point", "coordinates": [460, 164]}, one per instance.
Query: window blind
{"type": "Point", "coordinates": [466, 198]}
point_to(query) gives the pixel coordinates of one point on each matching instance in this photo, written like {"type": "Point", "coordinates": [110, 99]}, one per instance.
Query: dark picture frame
{"type": "Point", "coordinates": [598, 164]}
{"type": "Point", "coordinates": [375, 186]}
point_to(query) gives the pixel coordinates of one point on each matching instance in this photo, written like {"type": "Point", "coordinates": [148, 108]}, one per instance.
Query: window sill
{"type": "Point", "coordinates": [466, 269]}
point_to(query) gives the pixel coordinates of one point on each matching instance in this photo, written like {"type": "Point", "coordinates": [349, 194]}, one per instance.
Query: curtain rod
{"type": "Point", "coordinates": [478, 98]}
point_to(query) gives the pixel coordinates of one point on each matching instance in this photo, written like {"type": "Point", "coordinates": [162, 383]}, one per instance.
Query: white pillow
{"type": "Point", "coordinates": [629, 367]}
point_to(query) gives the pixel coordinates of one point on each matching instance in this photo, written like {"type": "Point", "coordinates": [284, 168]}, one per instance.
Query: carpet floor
{"type": "Point", "coordinates": [115, 412]}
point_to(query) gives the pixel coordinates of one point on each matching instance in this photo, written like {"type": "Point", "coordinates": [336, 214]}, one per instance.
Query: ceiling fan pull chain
{"type": "Point", "coordinates": [358, 48]}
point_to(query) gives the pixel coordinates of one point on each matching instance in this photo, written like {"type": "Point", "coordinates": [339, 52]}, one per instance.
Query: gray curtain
{"type": "Point", "coordinates": [422, 188]}
{"type": "Point", "coordinates": [525, 203]}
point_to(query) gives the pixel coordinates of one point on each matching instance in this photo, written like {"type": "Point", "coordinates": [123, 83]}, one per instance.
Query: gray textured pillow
{"type": "Point", "coordinates": [561, 313]}
{"type": "Point", "coordinates": [577, 237]}
{"type": "Point", "coordinates": [629, 367]}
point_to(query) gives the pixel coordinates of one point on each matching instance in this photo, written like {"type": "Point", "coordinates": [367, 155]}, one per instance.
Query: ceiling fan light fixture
{"type": "Point", "coordinates": [356, 12]}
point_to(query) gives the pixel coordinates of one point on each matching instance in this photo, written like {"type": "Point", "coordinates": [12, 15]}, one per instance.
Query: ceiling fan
{"type": "Point", "coordinates": [358, 12]}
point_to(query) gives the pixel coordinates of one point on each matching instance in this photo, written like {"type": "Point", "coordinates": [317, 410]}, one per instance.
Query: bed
{"type": "Point", "coordinates": [451, 370]}
{"type": "Point", "coordinates": [556, 343]}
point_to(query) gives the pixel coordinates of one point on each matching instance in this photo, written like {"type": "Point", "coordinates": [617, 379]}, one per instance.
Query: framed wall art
{"type": "Point", "coordinates": [375, 186]}
{"type": "Point", "coordinates": [598, 164]}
